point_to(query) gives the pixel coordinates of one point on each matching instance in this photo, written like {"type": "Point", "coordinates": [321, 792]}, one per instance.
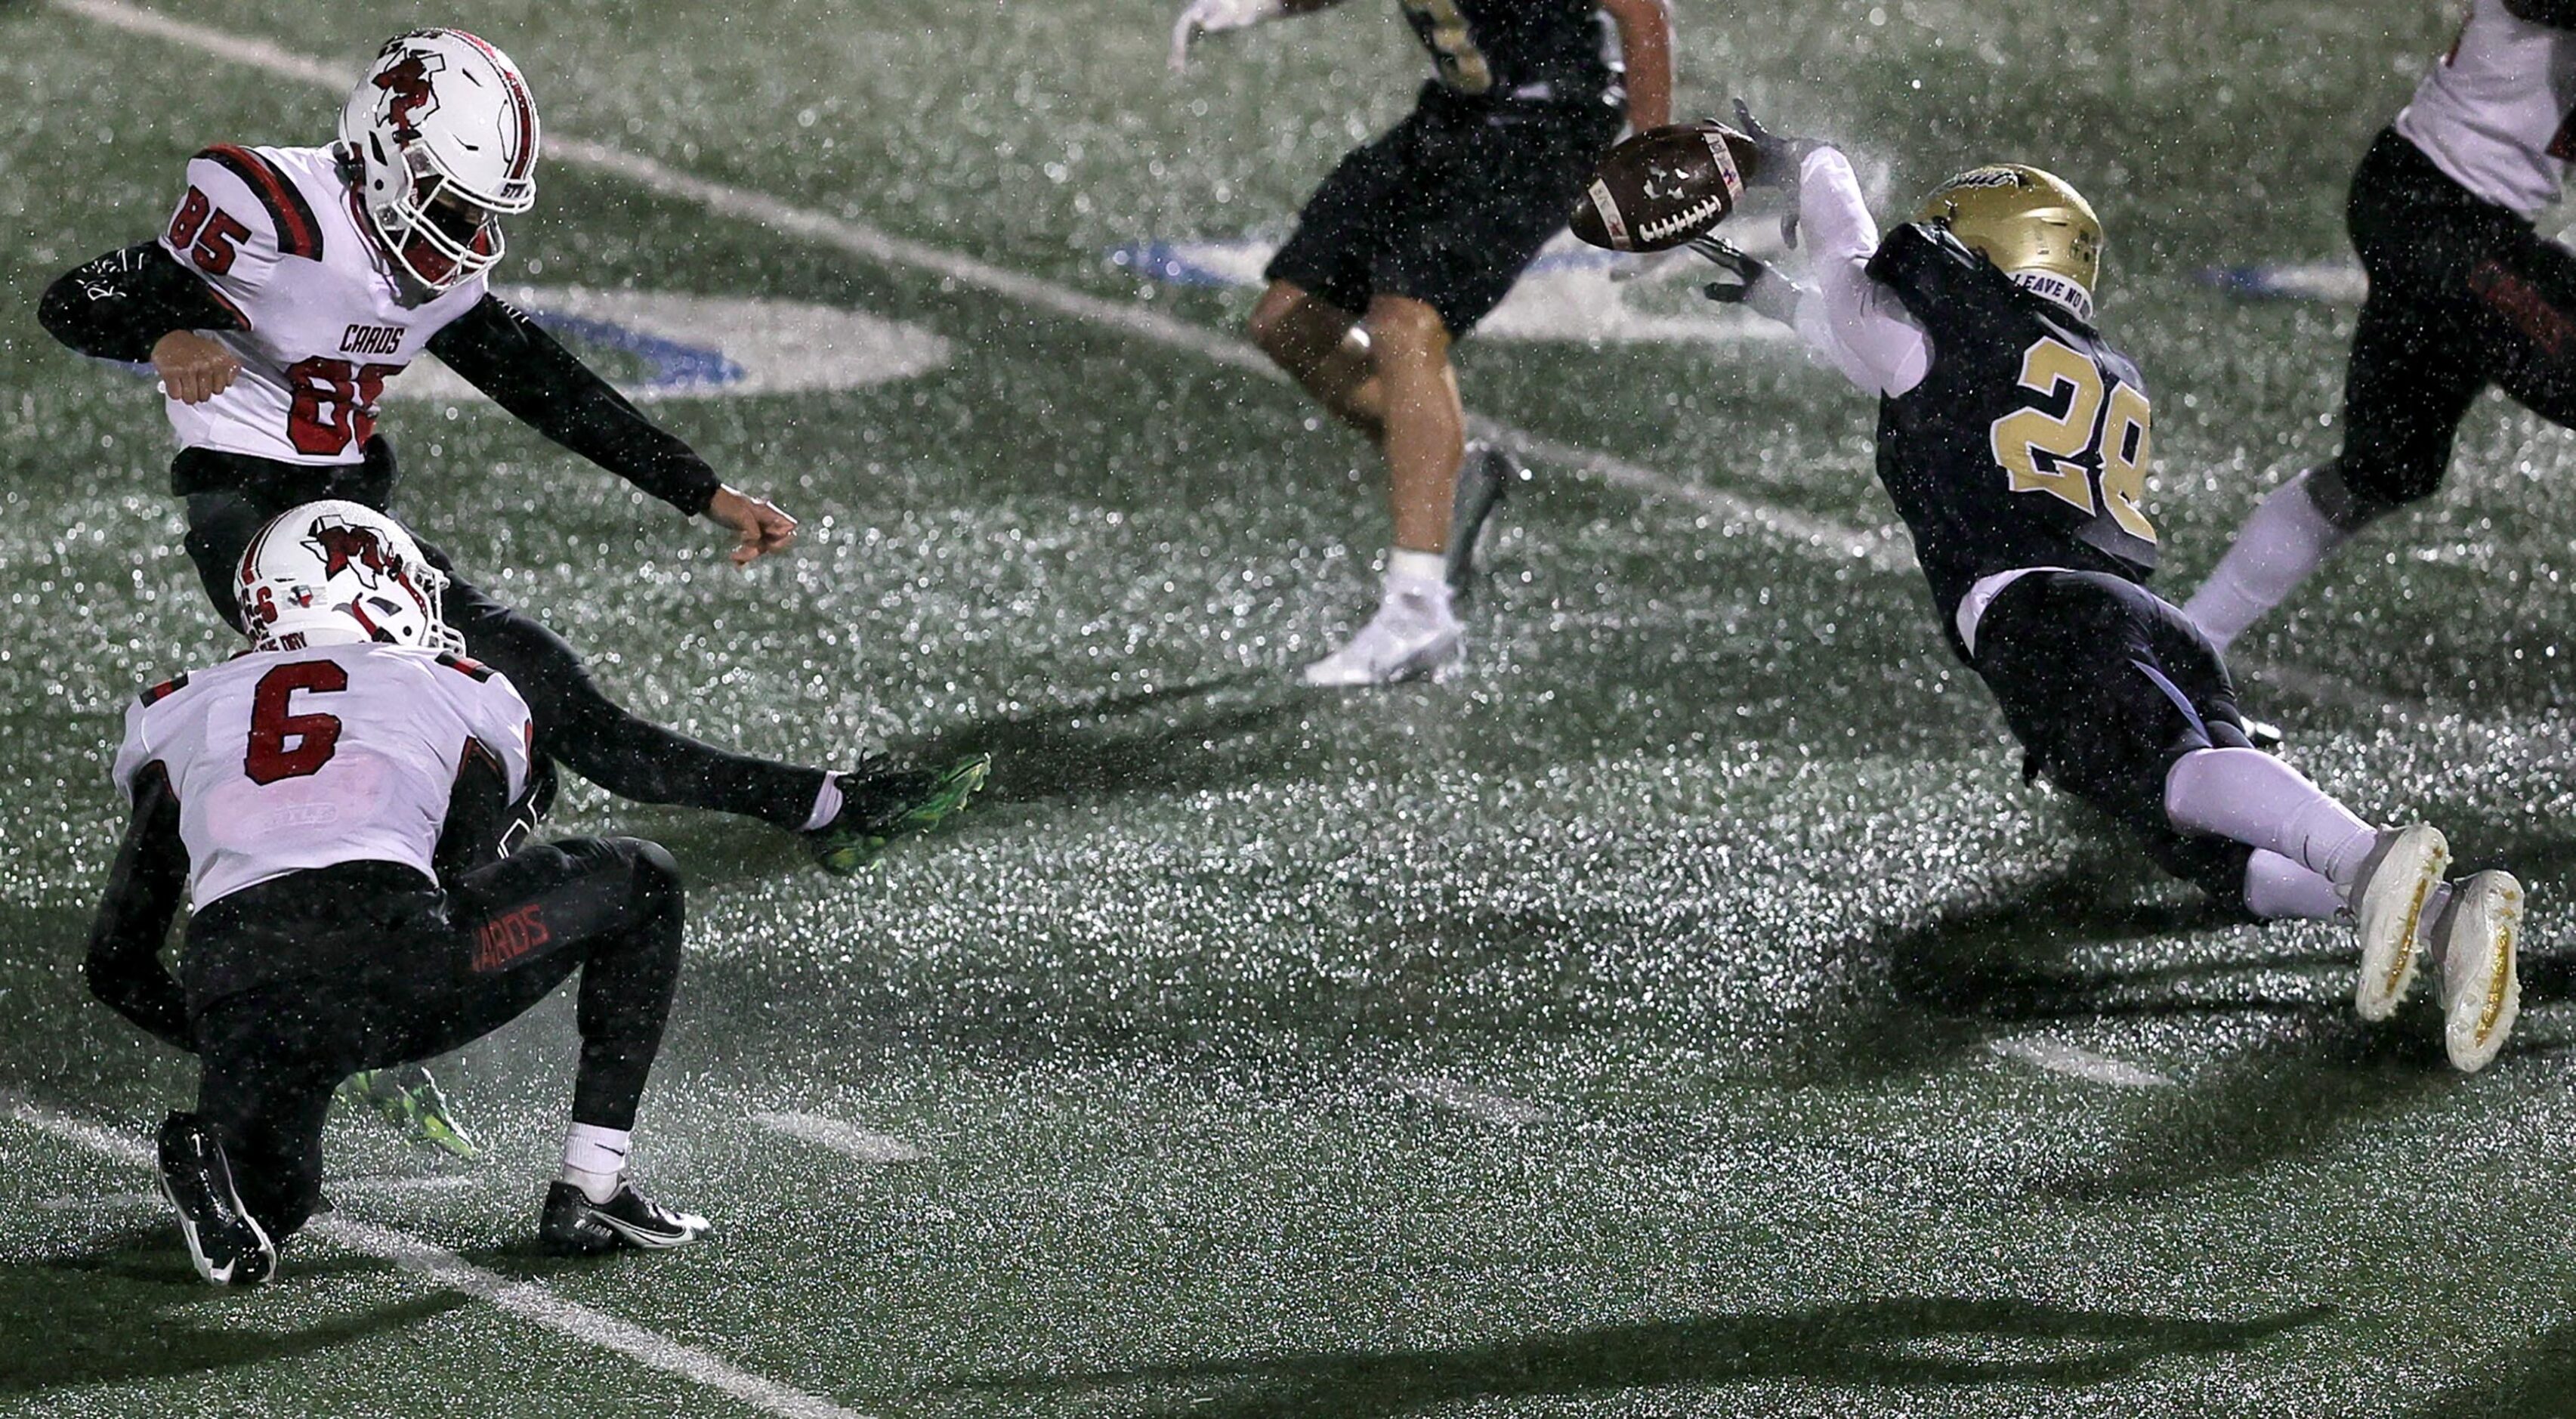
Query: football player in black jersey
{"type": "Point", "coordinates": [1414, 237]}
{"type": "Point", "coordinates": [2013, 440]}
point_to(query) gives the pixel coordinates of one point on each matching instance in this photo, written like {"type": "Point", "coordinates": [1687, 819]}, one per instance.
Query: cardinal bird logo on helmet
{"type": "Point", "coordinates": [347, 548]}
{"type": "Point", "coordinates": [407, 81]}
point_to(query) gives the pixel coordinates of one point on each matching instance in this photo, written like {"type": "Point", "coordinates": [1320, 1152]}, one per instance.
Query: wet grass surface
{"type": "Point", "coordinates": [1613, 1029]}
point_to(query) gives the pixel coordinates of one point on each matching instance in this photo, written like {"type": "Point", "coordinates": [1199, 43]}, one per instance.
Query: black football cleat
{"type": "Point", "coordinates": [574, 1225]}
{"type": "Point", "coordinates": [1485, 478]}
{"type": "Point", "coordinates": [224, 1240]}
{"type": "Point", "coordinates": [879, 805]}
{"type": "Point", "coordinates": [2262, 734]}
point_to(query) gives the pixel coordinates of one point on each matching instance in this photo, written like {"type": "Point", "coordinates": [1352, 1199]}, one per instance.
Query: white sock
{"type": "Point", "coordinates": [1408, 569]}
{"type": "Point", "coordinates": [595, 1158]}
{"type": "Point", "coordinates": [2284, 541]}
{"type": "Point", "coordinates": [827, 803]}
{"type": "Point", "coordinates": [1417, 588]}
{"type": "Point", "coordinates": [2277, 888]}
{"type": "Point", "coordinates": [2250, 797]}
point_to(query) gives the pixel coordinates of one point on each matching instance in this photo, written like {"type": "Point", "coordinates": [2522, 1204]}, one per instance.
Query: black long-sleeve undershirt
{"type": "Point", "coordinates": [118, 305]}
{"type": "Point", "coordinates": [509, 357]}
{"type": "Point", "coordinates": [144, 890]}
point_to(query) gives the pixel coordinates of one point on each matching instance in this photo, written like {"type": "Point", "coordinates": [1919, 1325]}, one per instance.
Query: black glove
{"type": "Point", "coordinates": [1748, 281]}
{"type": "Point", "coordinates": [1738, 272]}
{"type": "Point", "coordinates": [1776, 156]}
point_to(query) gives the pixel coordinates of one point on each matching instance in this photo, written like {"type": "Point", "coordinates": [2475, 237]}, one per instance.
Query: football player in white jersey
{"type": "Point", "coordinates": [327, 803]}
{"type": "Point", "coordinates": [292, 283]}
{"type": "Point", "coordinates": [2464, 294]}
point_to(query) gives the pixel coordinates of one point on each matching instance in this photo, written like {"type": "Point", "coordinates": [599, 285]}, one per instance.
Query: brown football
{"type": "Point", "coordinates": [1664, 186]}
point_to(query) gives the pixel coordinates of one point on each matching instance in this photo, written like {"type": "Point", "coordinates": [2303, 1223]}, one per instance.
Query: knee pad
{"type": "Point", "coordinates": [656, 873]}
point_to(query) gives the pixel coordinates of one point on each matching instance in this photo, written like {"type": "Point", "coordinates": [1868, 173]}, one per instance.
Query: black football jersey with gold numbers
{"type": "Point", "coordinates": [2026, 444]}
{"type": "Point", "coordinates": [1549, 50]}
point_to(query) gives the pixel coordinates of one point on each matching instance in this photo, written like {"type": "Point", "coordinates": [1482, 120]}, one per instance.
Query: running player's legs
{"type": "Point", "coordinates": [2527, 288]}
{"type": "Point", "coordinates": [2416, 367]}
{"type": "Point", "coordinates": [2418, 361]}
{"type": "Point", "coordinates": [1308, 319]}
{"type": "Point", "coordinates": [2430, 334]}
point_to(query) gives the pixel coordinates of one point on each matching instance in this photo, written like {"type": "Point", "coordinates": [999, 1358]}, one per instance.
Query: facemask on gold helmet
{"type": "Point", "coordinates": [2035, 228]}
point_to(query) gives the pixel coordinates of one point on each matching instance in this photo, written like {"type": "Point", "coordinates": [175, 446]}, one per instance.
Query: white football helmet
{"type": "Point", "coordinates": [337, 573]}
{"type": "Point", "coordinates": [440, 140]}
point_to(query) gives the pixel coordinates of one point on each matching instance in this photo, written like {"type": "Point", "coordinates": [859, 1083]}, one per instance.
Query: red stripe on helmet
{"type": "Point", "coordinates": [524, 108]}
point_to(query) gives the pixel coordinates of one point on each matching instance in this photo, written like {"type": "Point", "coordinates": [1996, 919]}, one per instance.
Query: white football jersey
{"type": "Point", "coordinates": [275, 234]}
{"type": "Point", "coordinates": [2498, 113]}
{"type": "Point", "coordinates": [292, 759]}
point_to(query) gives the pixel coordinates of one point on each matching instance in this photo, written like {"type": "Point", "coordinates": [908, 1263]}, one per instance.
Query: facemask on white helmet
{"type": "Point", "coordinates": [440, 142]}
{"type": "Point", "coordinates": [340, 573]}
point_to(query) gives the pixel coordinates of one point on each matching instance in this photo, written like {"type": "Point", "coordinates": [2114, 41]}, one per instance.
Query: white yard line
{"type": "Point", "coordinates": [862, 1144]}
{"type": "Point", "coordinates": [2059, 1057]}
{"type": "Point", "coordinates": [1806, 531]}
{"type": "Point", "coordinates": [527, 1300]}
{"type": "Point", "coordinates": [1474, 1103]}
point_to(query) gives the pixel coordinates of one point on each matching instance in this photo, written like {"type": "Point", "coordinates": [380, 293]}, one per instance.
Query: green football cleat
{"type": "Point", "coordinates": [879, 805]}
{"type": "Point", "coordinates": [411, 1101]}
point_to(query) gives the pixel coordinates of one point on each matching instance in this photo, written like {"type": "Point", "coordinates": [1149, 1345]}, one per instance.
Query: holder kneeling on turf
{"type": "Point", "coordinates": [327, 802]}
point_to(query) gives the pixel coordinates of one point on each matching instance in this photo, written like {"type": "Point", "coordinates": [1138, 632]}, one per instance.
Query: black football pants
{"type": "Point", "coordinates": [297, 983]}
{"type": "Point", "coordinates": [577, 725]}
{"type": "Point", "coordinates": [2106, 685]}
{"type": "Point", "coordinates": [2463, 294]}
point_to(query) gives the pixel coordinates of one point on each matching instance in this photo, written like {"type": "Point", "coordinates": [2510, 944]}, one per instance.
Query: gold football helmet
{"type": "Point", "coordinates": [2021, 219]}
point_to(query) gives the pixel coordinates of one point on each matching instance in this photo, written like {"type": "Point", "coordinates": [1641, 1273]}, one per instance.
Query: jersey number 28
{"type": "Point", "coordinates": [2096, 440]}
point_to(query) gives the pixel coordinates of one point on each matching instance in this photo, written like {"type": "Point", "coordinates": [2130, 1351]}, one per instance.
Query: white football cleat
{"type": "Point", "coordinates": [2387, 900]}
{"type": "Point", "coordinates": [1411, 635]}
{"type": "Point", "coordinates": [2481, 990]}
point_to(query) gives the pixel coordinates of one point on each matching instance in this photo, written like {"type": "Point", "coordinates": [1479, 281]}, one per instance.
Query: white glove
{"type": "Point", "coordinates": [1210, 16]}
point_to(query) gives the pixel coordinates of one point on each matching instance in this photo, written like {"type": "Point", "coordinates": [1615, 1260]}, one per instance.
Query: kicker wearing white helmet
{"type": "Point", "coordinates": [328, 804]}
{"type": "Point", "coordinates": [2013, 439]}
{"type": "Point", "coordinates": [291, 284]}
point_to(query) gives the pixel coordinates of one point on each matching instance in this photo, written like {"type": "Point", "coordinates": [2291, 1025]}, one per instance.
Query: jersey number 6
{"type": "Point", "coordinates": [316, 736]}
{"type": "Point", "coordinates": [2057, 453]}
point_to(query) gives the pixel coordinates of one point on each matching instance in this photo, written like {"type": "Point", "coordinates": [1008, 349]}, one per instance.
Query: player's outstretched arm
{"type": "Point", "coordinates": [1852, 320]}
{"type": "Point", "coordinates": [500, 351]}
{"type": "Point", "coordinates": [1646, 48]}
{"type": "Point", "coordinates": [124, 966]}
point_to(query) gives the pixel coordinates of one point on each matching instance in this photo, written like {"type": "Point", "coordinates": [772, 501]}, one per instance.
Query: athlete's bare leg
{"type": "Point", "coordinates": [1325, 349]}
{"type": "Point", "coordinates": [1426, 426]}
